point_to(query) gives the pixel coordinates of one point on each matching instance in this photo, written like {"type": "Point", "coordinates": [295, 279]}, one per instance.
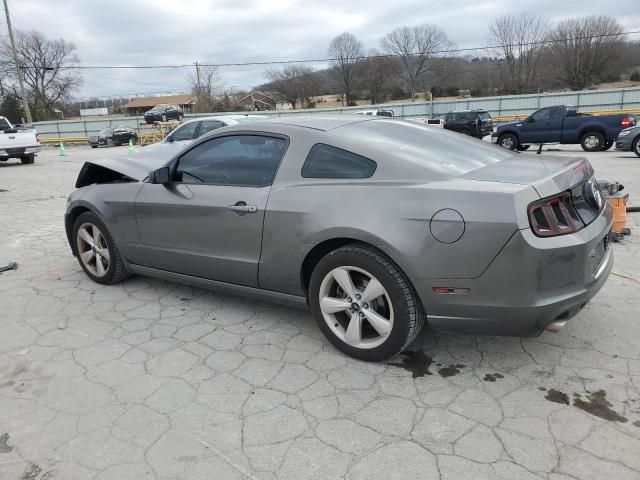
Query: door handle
{"type": "Point", "coordinates": [242, 208]}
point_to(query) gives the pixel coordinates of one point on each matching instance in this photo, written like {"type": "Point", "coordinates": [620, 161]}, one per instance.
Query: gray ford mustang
{"type": "Point", "coordinates": [377, 225]}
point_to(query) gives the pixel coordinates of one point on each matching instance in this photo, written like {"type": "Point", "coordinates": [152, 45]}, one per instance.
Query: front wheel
{"type": "Point", "coordinates": [364, 304]}
{"type": "Point", "coordinates": [508, 141]}
{"type": "Point", "coordinates": [635, 147]}
{"type": "Point", "coordinates": [592, 141]}
{"type": "Point", "coordinates": [96, 250]}
{"type": "Point", "coordinates": [110, 142]}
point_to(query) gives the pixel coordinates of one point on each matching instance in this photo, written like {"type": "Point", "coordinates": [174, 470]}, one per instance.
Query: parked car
{"type": "Point", "coordinates": [629, 140]}
{"type": "Point", "coordinates": [113, 137]}
{"type": "Point", "coordinates": [22, 143]}
{"type": "Point", "coordinates": [192, 129]}
{"type": "Point", "coordinates": [476, 123]}
{"type": "Point", "coordinates": [378, 225]}
{"type": "Point", "coordinates": [162, 113]}
{"type": "Point", "coordinates": [376, 113]}
{"type": "Point", "coordinates": [564, 125]}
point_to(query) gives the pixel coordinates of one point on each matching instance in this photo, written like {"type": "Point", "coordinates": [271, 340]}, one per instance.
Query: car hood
{"type": "Point", "coordinates": [142, 161]}
{"type": "Point", "coordinates": [515, 123]}
{"type": "Point", "coordinates": [548, 174]}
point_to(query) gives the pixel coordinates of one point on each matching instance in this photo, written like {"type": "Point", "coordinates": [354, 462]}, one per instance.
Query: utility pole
{"type": "Point", "coordinates": [23, 94]}
{"type": "Point", "coordinates": [198, 91]}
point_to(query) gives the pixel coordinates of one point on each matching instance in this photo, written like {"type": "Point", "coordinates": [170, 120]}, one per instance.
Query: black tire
{"type": "Point", "coordinates": [134, 140]}
{"type": "Point", "coordinates": [163, 117]}
{"type": "Point", "coordinates": [607, 145]}
{"type": "Point", "coordinates": [408, 315]}
{"type": "Point", "coordinates": [508, 141]}
{"type": "Point", "coordinates": [110, 142]}
{"type": "Point", "coordinates": [522, 148]}
{"type": "Point", "coordinates": [592, 141]}
{"type": "Point", "coordinates": [180, 117]}
{"type": "Point", "coordinates": [116, 271]}
{"type": "Point", "coordinates": [28, 159]}
{"type": "Point", "coordinates": [94, 146]}
{"type": "Point", "coordinates": [635, 146]}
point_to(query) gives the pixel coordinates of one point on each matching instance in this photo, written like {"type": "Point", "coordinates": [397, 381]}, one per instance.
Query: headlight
{"type": "Point", "coordinates": [624, 133]}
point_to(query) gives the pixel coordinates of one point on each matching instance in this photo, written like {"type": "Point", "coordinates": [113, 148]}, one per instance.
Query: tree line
{"type": "Point", "coordinates": [525, 54]}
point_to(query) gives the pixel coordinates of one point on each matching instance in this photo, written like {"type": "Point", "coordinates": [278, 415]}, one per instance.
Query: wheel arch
{"type": "Point", "coordinates": [509, 131]}
{"type": "Point", "coordinates": [593, 127]}
{"type": "Point", "coordinates": [70, 220]}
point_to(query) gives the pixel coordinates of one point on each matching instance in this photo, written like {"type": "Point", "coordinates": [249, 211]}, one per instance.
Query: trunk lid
{"type": "Point", "coordinates": [549, 175]}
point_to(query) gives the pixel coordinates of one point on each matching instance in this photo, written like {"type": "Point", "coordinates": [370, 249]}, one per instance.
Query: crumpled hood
{"type": "Point", "coordinates": [144, 160]}
{"type": "Point", "coordinates": [548, 174]}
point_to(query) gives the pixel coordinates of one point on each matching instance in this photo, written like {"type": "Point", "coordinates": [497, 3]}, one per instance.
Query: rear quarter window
{"type": "Point", "coordinates": [325, 161]}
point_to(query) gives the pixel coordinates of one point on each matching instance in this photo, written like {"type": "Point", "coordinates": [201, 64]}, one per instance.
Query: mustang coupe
{"type": "Point", "coordinates": [377, 225]}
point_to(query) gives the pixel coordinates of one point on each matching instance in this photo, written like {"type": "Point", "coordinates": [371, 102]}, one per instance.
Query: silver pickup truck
{"type": "Point", "coordinates": [17, 142]}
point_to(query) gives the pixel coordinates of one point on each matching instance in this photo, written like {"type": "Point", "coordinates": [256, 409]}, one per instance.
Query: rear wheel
{"type": "Point", "coordinates": [364, 304]}
{"type": "Point", "coordinates": [592, 141]}
{"type": "Point", "coordinates": [28, 159]}
{"type": "Point", "coordinates": [635, 147]}
{"type": "Point", "coordinates": [508, 141]}
{"type": "Point", "coordinates": [96, 250]}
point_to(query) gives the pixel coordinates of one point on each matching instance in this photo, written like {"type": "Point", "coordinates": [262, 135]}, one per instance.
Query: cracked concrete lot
{"type": "Point", "coordinates": [154, 380]}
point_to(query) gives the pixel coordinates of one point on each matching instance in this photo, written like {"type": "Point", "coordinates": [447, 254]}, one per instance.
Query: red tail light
{"type": "Point", "coordinates": [37, 137]}
{"type": "Point", "coordinates": [553, 216]}
{"type": "Point", "coordinates": [626, 122]}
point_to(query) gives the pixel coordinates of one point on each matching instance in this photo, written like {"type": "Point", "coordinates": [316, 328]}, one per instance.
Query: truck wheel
{"type": "Point", "coordinates": [635, 147]}
{"type": "Point", "coordinates": [508, 141]}
{"type": "Point", "coordinates": [607, 145]}
{"type": "Point", "coordinates": [28, 159]}
{"type": "Point", "coordinates": [592, 141]}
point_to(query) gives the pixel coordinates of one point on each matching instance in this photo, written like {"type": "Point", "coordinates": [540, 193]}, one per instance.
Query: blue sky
{"type": "Point", "coordinates": [148, 32]}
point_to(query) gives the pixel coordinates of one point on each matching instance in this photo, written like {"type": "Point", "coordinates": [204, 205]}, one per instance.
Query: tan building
{"type": "Point", "coordinates": [138, 106]}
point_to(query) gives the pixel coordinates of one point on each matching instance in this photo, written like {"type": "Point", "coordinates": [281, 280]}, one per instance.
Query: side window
{"type": "Point", "coordinates": [542, 115]}
{"type": "Point", "coordinates": [556, 113]}
{"type": "Point", "coordinates": [185, 132]}
{"type": "Point", "coordinates": [325, 161]}
{"type": "Point", "coordinates": [241, 160]}
{"type": "Point", "coordinates": [209, 125]}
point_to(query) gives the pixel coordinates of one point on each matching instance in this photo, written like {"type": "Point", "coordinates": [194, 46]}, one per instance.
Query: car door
{"type": "Point", "coordinates": [535, 128]}
{"type": "Point", "coordinates": [207, 221]}
{"type": "Point", "coordinates": [120, 135]}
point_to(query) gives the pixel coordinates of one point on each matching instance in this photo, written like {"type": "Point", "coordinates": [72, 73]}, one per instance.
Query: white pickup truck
{"type": "Point", "coordinates": [17, 143]}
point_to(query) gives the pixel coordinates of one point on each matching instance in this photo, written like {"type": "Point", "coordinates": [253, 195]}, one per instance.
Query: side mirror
{"type": "Point", "coordinates": [530, 120]}
{"type": "Point", "coordinates": [160, 175]}
{"type": "Point", "coordinates": [169, 139]}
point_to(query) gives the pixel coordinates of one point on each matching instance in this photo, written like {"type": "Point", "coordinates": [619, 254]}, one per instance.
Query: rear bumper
{"type": "Point", "coordinates": [531, 284]}
{"type": "Point", "coordinates": [20, 151]}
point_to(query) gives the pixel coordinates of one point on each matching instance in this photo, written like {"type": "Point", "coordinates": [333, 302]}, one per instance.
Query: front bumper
{"type": "Point", "coordinates": [624, 144]}
{"type": "Point", "coordinates": [531, 284]}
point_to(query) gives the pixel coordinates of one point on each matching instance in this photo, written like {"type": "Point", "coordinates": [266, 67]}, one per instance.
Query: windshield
{"type": "Point", "coordinates": [444, 152]}
{"type": "Point", "coordinates": [105, 131]}
{"type": "Point", "coordinates": [156, 108]}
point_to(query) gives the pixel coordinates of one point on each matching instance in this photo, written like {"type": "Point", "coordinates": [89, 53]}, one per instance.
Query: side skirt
{"type": "Point", "coordinates": [240, 290]}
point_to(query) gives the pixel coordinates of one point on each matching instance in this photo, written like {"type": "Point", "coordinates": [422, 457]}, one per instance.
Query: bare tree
{"type": "Point", "coordinates": [346, 50]}
{"type": "Point", "coordinates": [583, 49]}
{"type": "Point", "coordinates": [376, 72]}
{"type": "Point", "coordinates": [417, 49]}
{"type": "Point", "coordinates": [518, 40]}
{"type": "Point", "coordinates": [48, 67]}
{"type": "Point", "coordinates": [205, 85]}
{"type": "Point", "coordinates": [293, 84]}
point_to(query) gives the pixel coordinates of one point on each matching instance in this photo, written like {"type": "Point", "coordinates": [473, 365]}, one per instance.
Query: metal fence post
{"type": "Point", "coordinates": [86, 134]}
{"type": "Point", "coordinates": [500, 106]}
{"type": "Point", "coordinates": [622, 99]}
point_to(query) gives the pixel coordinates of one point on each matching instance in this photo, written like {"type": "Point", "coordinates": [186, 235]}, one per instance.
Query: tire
{"type": "Point", "coordinates": [28, 159]}
{"type": "Point", "coordinates": [396, 303]}
{"type": "Point", "coordinates": [508, 141]}
{"type": "Point", "coordinates": [134, 140]}
{"type": "Point", "coordinates": [522, 148]}
{"type": "Point", "coordinates": [180, 117]}
{"type": "Point", "coordinates": [592, 141]}
{"type": "Point", "coordinates": [110, 142]}
{"type": "Point", "coordinates": [607, 145]}
{"type": "Point", "coordinates": [94, 146]}
{"type": "Point", "coordinates": [113, 268]}
{"type": "Point", "coordinates": [635, 146]}
{"type": "Point", "coordinates": [163, 117]}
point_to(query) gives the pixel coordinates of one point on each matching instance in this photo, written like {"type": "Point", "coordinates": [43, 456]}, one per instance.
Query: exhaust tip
{"type": "Point", "coordinates": [555, 327]}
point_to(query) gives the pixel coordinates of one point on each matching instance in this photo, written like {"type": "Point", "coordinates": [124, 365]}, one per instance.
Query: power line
{"type": "Point", "coordinates": [363, 57]}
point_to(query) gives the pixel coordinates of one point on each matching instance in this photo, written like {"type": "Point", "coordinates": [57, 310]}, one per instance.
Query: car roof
{"type": "Point", "coordinates": [317, 122]}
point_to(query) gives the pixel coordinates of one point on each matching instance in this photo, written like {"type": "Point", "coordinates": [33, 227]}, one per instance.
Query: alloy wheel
{"type": "Point", "coordinates": [356, 307]}
{"type": "Point", "coordinates": [93, 249]}
{"type": "Point", "coordinates": [592, 141]}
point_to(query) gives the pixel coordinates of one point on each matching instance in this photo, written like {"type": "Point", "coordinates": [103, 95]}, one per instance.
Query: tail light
{"type": "Point", "coordinates": [626, 122]}
{"type": "Point", "coordinates": [554, 216]}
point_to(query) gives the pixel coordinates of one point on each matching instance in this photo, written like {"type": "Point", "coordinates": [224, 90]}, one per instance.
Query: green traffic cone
{"type": "Point", "coordinates": [130, 147]}
{"type": "Point", "coordinates": [62, 153]}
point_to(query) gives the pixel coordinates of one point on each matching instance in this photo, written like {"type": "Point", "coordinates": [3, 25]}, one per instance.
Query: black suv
{"type": "Point", "coordinates": [162, 113]}
{"type": "Point", "coordinates": [476, 123]}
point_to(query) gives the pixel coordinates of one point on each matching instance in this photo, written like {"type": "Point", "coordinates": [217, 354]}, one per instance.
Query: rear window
{"type": "Point", "coordinates": [325, 161]}
{"type": "Point", "coordinates": [441, 151]}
